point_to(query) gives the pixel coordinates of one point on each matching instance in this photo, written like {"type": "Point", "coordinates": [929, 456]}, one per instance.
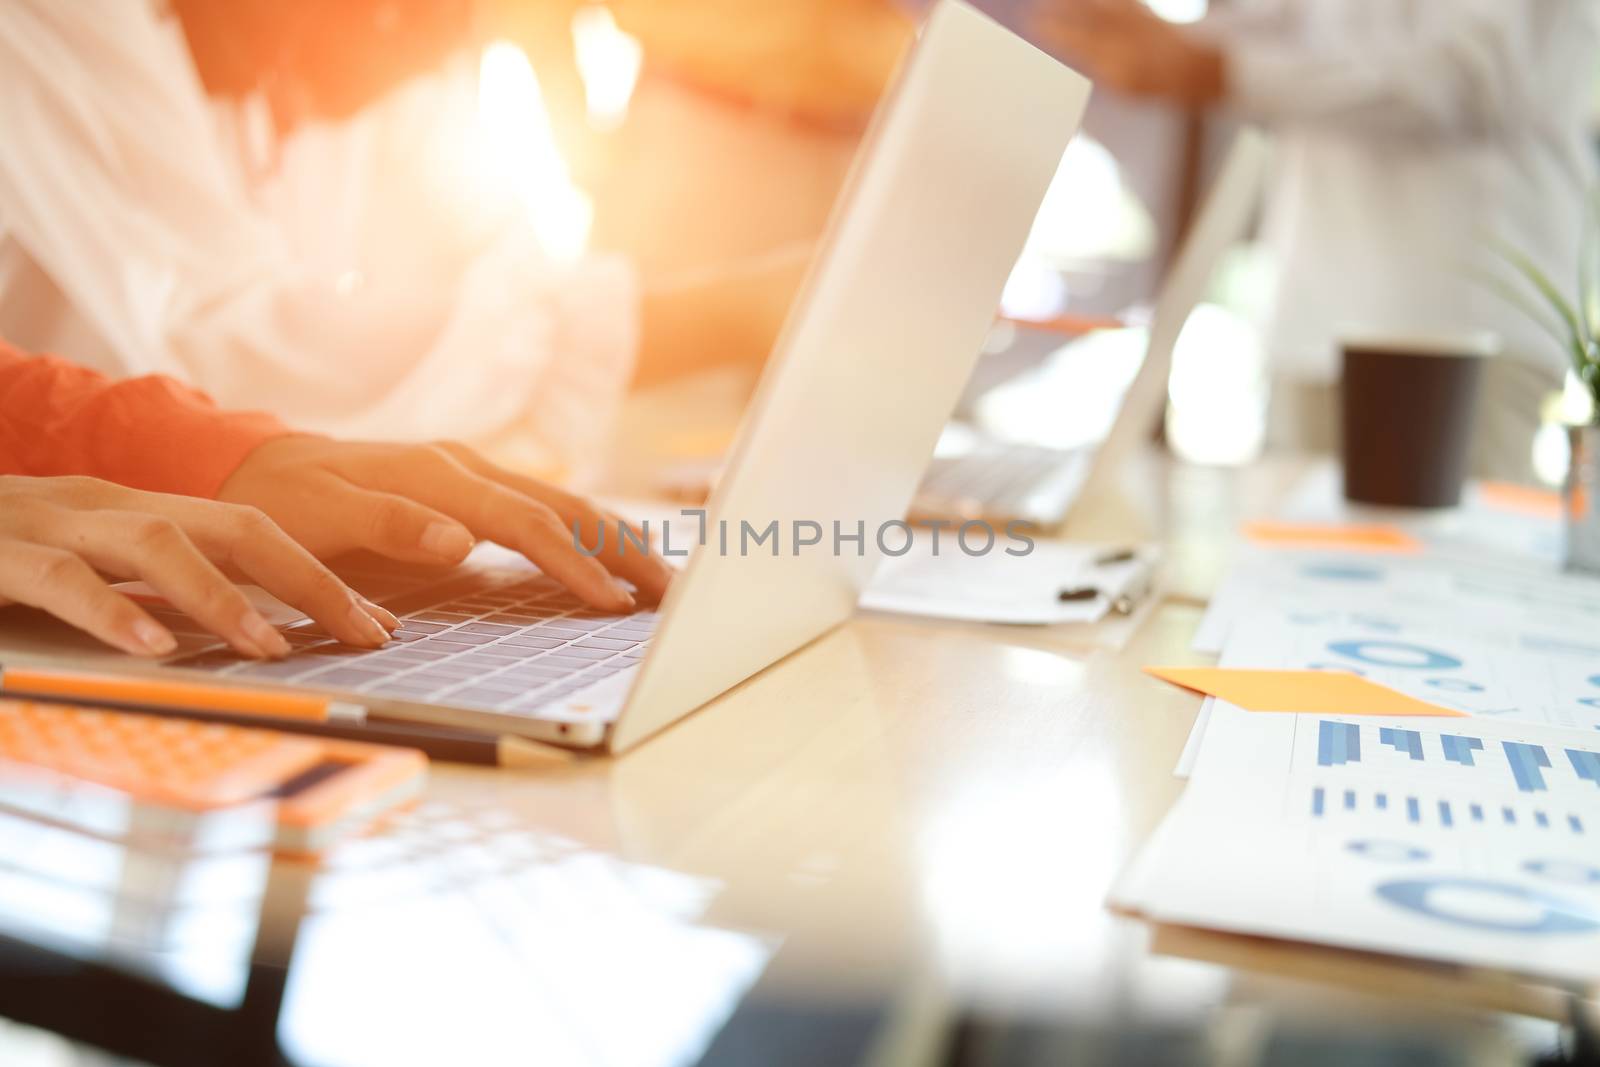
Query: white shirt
{"type": "Point", "coordinates": [1413, 134]}
{"type": "Point", "coordinates": [133, 238]}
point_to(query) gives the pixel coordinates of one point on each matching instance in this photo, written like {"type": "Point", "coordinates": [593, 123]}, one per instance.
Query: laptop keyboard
{"type": "Point", "coordinates": [491, 645]}
{"type": "Point", "coordinates": [1003, 480]}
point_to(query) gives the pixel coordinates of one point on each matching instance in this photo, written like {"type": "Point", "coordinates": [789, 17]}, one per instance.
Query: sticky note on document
{"type": "Point", "coordinates": [1299, 692]}
{"type": "Point", "coordinates": [1344, 537]}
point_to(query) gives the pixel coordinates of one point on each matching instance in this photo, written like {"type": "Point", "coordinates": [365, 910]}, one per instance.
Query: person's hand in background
{"type": "Point", "coordinates": [428, 503]}
{"type": "Point", "coordinates": [1125, 46]}
{"type": "Point", "coordinates": [59, 536]}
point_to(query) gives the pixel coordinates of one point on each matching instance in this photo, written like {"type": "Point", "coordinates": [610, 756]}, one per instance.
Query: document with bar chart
{"type": "Point", "coordinates": [1496, 670]}
{"type": "Point", "coordinates": [1471, 840]}
{"type": "Point", "coordinates": [1487, 663]}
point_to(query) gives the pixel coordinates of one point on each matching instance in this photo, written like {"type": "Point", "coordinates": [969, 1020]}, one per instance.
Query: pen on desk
{"type": "Point", "coordinates": [1132, 590]}
{"type": "Point", "coordinates": [1122, 599]}
{"type": "Point", "coordinates": [448, 744]}
{"type": "Point", "coordinates": [170, 693]}
{"type": "Point", "coordinates": [1136, 589]}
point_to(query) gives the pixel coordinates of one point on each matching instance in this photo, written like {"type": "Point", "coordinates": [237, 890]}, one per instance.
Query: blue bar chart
{"type": "Point", "coordinates": [1444, 813]}
{"type": "Point", "coordinates": [1527, 763]}
{"type": "Point", "coordinates": [1587, 764]}
{"type": "Point", "coordinates": [1486, 778]}
{"type": "Point", "coordinates": [1407, 741]}
{"type": "Point", "coordinates": [1458, 758]}
{"type": "Point", "coordinates": [1459, 749]}
{"type": "Point", "coordinates": [1464, 831]}
{"type": "Point", "coordinates": [1338, 743]}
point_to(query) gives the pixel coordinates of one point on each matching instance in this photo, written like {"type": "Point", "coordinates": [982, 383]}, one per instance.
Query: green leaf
{"type": "Point", "coordinates": [1579, 334]}
{"type": "Point", "coordinates": [1560, 328]}
{"type": "Point", "coordinates": [1588, 274]}
{"type": "Point", "coordinates": [1538, 314]}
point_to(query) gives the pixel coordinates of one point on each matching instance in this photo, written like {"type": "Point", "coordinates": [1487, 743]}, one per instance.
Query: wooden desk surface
{"type": "Point", "coordinates": [922, 815]}
{"type": "Point", "coordinates": [944, 808]}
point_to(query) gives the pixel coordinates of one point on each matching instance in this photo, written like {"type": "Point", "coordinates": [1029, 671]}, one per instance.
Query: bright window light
{"type": "Point", "coordinates": [1035, 291]}
{"type": "Point", "coordinates": [1218, 389]}
{"type": "Point", "coordinates": [1576, 405]}
{"type": "Point", "coordinates": [608, 62]}
{"type": "Point", "coordinates": [520, 152]}
{"type": "Point", "coordinates": [1071, 399]}
{"type": "Point", "coordinates": [1552, 455]}
{"type": "Point", "coordinates": [1179, 10]}
{"type": "Point", "coordinates": [1090, 213]}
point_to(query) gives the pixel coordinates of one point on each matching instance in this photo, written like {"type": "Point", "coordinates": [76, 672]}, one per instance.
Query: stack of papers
{"type": "Point", "coordinates": [1466, 830]}
{"type": "Point", "coordinates": [1055, 582]}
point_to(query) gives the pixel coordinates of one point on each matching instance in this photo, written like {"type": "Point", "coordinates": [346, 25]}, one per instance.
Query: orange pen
{"type": "Point", "coordinates": [160, 692]}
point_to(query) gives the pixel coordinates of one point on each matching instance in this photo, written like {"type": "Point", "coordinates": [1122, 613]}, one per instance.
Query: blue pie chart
{"type": "Point", "coordinates": [1395, 654]}
{"type": "Point", "coordinates": [1491, 907]}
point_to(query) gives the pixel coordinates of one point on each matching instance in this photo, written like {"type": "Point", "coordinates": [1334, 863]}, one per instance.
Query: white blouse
{"type": "Point", "coordinates": [1414, 134]}
{"type": "Point", "coordinates": [360, 286]}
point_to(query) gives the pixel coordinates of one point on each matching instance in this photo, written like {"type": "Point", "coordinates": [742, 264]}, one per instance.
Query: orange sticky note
{"type": "Point", "coordinates": [1520, 499]}
{"type": "Point", "coordinates": [1332, 535]}
{"type": "Point", "coordinates": [1299, 692]}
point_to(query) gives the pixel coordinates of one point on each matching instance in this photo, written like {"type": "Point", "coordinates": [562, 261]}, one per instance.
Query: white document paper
{"type": "Point", "coordinates": [1469, 841]}
{"type": "Point", "coordinates": [1495, 671]}
{"type": "Point", "coordinates": [996, 587]}
{"type": "Point", "coordinates": [1191, 745]}
{"type": "Point", "coordinates": [1451, 587]}
{"type": "Point", "coordinates": [1465, 840]}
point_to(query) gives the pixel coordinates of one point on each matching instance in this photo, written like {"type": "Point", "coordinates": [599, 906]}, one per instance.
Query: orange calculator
{"type": "Point", "coordinates": [204, 786]}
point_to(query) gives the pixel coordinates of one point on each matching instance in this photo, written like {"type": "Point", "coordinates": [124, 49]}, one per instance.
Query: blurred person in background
{"type": "Point", "coordinates": [1412, 136]}
{"type": "Point", "coordinates": [294, 205]}
{"type": "Point", "coordinates": [748, 115]}
{"type": "Point", "coordinates": [744, 123]}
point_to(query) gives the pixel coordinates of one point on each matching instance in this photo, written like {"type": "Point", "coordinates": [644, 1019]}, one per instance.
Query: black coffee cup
{"type": "Point", "coordinates": [1409, 405]}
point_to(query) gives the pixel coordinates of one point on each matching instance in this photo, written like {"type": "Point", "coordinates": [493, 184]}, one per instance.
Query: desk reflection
{"type": "Point", "coordinates": [464, 936]}
{"type": "Point", "coordinates": [455, 934]}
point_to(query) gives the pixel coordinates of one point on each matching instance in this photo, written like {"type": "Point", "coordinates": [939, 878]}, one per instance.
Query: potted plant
{"type": "Point", "coordinates": [1573, 322]}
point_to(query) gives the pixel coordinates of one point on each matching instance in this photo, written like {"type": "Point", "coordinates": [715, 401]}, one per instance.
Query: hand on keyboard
{"type": "Point", "coordinates": [59, 536]}
{"type": "Point", "coordinates": [427, 503]}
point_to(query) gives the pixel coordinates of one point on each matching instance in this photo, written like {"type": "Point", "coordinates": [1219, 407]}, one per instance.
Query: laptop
{"type": "Point", "coordinates": [871, 361]}
{"type": "Point", "coordinates": [978, 476]}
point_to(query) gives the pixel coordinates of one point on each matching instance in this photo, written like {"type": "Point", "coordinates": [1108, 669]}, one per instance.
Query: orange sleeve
{"type": "Point", "coordinates": [57, 418]}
